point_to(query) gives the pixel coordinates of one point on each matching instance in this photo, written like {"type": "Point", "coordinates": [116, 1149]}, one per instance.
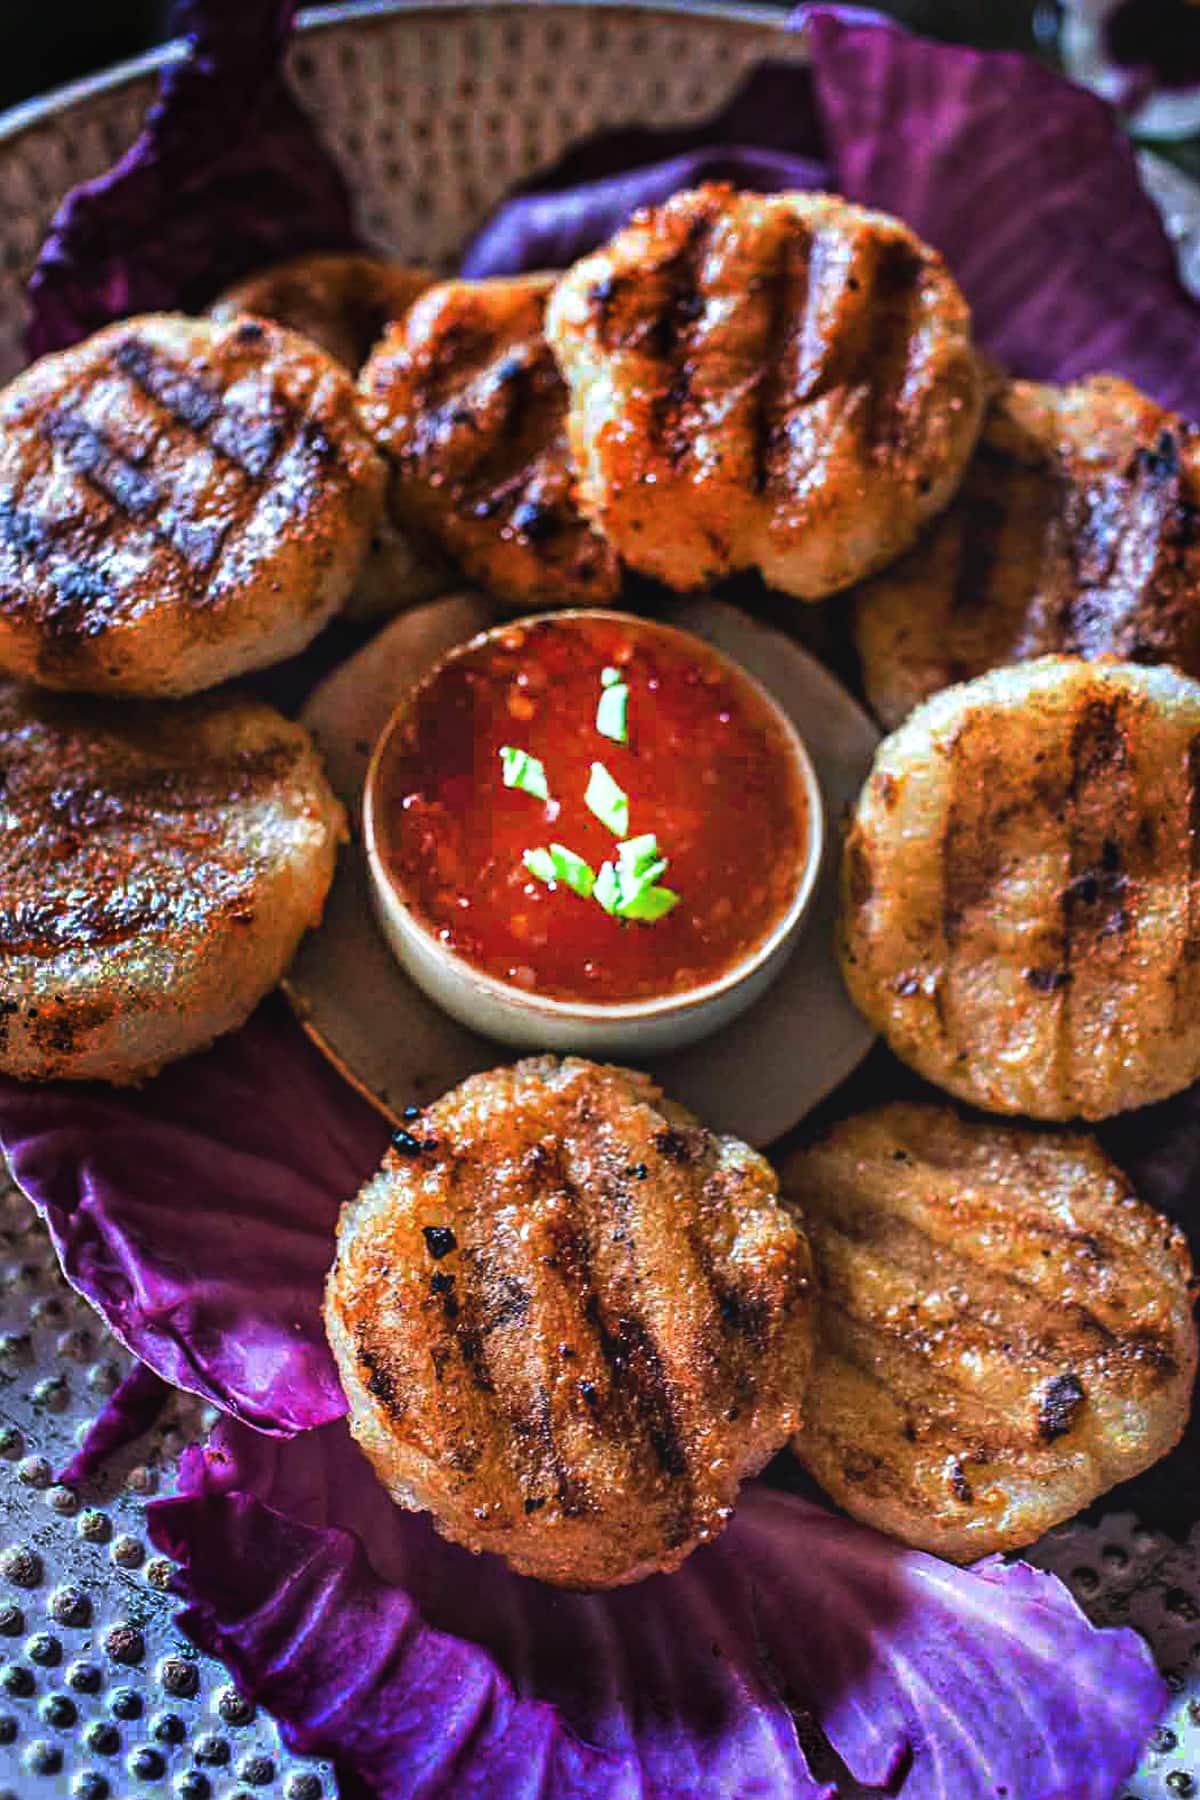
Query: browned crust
{"type": "Point", "coordinates": [179, 501]}
{"type": "Point", "coordinates": [783, 382]}
{"type": "Point", "coordinates": [1004, 1330]}
{"type": "Point", "coordinates": [158, 866]}
{"type": "Point", "coordinates": [1076, 531]}
{"type": "Point", "coordinates": [569, 1321]}
{"type": "Point", "coordinates": [1020, 889]}
{"type": "Point", "coordinates": [465, 400]}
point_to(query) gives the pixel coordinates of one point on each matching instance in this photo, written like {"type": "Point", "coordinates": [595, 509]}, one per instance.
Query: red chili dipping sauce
{"type": "Point", "coordinates": [707, 773]}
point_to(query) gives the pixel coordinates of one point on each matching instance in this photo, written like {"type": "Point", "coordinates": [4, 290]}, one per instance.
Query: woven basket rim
{"type": "Point", "coordinates": [29, 114]}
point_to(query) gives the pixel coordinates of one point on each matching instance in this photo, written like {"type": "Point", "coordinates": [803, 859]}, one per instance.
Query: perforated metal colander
{"type": "Point", "coordinates": [434, 111]}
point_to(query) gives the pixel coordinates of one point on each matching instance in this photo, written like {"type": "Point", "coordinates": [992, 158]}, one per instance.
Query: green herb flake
{"type": "Point", "coordinates": [649, 904]}
{"type": "Point", "coordinates": [639, 854]}
{"type": "Point", "coordinates": [608, 802]}
{"type": "Point", "coordinates": [523, 771]}
{"type": "Point", "coordinates": [612, 714]}
{"type": "Point", "coordinates": [541, 864]}
{"type": "Point", "coordinates": [573, 871]}
{"type": "Point", "coordinates": [607, 890]}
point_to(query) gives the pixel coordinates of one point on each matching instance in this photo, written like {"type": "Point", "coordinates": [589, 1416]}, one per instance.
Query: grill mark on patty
{"type": "Point", "coordinates": [121, 842]}
{"type": "Point", "coordinates": [669, 337]}
{"type": "Point", "coordinates": [894, 305]}
{"type": "Point", "coordinates": [787, 301]}
{"type": "Point", "coordinates": [1005, 1310]}
{"type": "Point", "coordinates": [253, 443]}
{"type": "Point", "coordinates": [637, 1384]}
{"type": "Point", "coordinates": [82, 598]}
{"type": "Point", "coordinates": [1092, 903]}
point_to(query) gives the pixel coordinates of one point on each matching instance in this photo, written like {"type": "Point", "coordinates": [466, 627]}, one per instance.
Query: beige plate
{"type": "Point", "coordinates": [756, 1078]}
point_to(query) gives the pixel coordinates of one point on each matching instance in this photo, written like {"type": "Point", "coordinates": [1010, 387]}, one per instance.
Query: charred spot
{"type": "Point", "coordinates": [509, 368]}
{"type": "Point", "coordinates": [250, 332]}
{"type": "Point", "coordinates": [381, 1383]}
{"type": "Point", "coordinates": [589, 1394]}
{"type": "Point", "coordinates": [439, 1240]}
{"type": "Point", "coordinates": [960, 1487]}
{"type": "Point", "coordinates": [1160, 461]}
{"type": "Point", "coordinates": [1044, 979]}
{"type": "Point", "coordinates": [534, 1503]}
{"type": "Point", "coordinates": [638, 1172]}
{"type": "Point", "coordinates": [674, 1145]}
{"type": "Point", "coordinates": [471, 1345]}
{"type": "Point", "coordinates": [315, 439]}
{"type": "Point", "coordinates": [442, 1285]}
{"type": "Point", "coordinates": [1058, 1405]}
{"type": "Point", "coordinates": [536, 521]}
{"type": "Point", "coordinates": [405, 1144]}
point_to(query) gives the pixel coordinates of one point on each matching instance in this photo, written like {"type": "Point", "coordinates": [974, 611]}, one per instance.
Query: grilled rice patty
{"type": "Point", "coordinates": [180, 501]}
{"type": "Point", "coordinates": [464, 399]}
{"type": "Point", "coordinates": [569, 1320]}
{"type": "Point", "coordinates": [158, 867]}
{"type": "Point", "coordinates": [1021, 889]}
{"type": "Point", "coordinates": [782, 382]}
{"type": "Point", "coordinates": [1004, 1330]}
{"type": "Point", "coordinates": [1076, 531]}
{"type": "Point", "coordinates": [343, 303]}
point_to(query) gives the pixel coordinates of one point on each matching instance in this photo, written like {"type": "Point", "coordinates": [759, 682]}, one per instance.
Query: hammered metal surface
{"type": "Point", "coordinates": [435, 111]}
{"type": "Point", "coordinates": [99, 1693]}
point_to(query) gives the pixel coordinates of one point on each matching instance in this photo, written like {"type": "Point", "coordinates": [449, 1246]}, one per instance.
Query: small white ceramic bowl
{"type": "Point", "coordinates": [642, 1028]}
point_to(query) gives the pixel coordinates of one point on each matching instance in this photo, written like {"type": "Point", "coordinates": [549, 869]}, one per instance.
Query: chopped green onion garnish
{"type": "Point", "coordinates": [573, 870]}
{"type": "Point", "coordinates": [524, 771]}
{"type": "Point", "coordinates": [612, 714]}
{"type": "Point", "coordinates": [541, 864]}
{"type": "Point", "coordinates": [648, 904]}
{"type": "Point", "coordinates": [607, 801]}
{"type": "Point", "coordinates": [608, 889]}
{"type": "Point", "coordinates": [609, 677]}
{"type": "Point", "coordinates": [637, 854]}
{"type": "Point", "coordinates": [560, 864]}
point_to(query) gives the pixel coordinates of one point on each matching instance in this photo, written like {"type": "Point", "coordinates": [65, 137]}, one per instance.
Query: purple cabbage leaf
{"type": "Point", "coordinates": [197, 1213]}
{"type": "Point", "coordinates": [797, 1651]}
{"type": "Point", "coordinates": [227, 175]}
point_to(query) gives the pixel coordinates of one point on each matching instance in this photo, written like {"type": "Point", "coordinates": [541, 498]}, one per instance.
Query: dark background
{"type": "Point", "coordinates": [45, 42]}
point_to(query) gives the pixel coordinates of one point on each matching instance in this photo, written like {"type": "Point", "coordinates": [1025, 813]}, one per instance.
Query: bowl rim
{"type": "Point", "coordinates": [615, 1012]}
{"type": "Point", "coordinates": [28, 114]}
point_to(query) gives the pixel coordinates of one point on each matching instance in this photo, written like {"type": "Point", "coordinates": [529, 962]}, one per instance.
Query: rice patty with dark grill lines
{"type": "Point", "coordinates": [783, 382]}
{"type": "Point", "coordinates": [569, 1321]}
{"type": "Point", "coordinates": [180, 501]}
{"type": "Point", "coordinates": [463, 397]}
{"type": "Point", "coordinates": [159, 865]}
{"type": "Point", "coordinates": [1021, 889]}
{"type": "Point", "coordinates": [1076, 532]}
{"type": "Point", "coordinates": [1004, 1330]}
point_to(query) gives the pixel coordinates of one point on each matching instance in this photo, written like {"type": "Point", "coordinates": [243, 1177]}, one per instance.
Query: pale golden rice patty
{"type": "Point", "coordinates": [180, 501]}
{"type": "Point", "coordinates": [782, 382]}
{"type": "Point", "coordinates": [1004, 1330]}
{"type": "Point", "coordinates": [1021, 889]}
{"type": "Point", "coordinates": [569, 1321]}
{"type": "Point", "coordinates": [158, 867]}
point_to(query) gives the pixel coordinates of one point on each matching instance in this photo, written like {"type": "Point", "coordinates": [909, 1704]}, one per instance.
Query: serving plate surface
{"type": "Point", "coordinates": [434, 110]}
